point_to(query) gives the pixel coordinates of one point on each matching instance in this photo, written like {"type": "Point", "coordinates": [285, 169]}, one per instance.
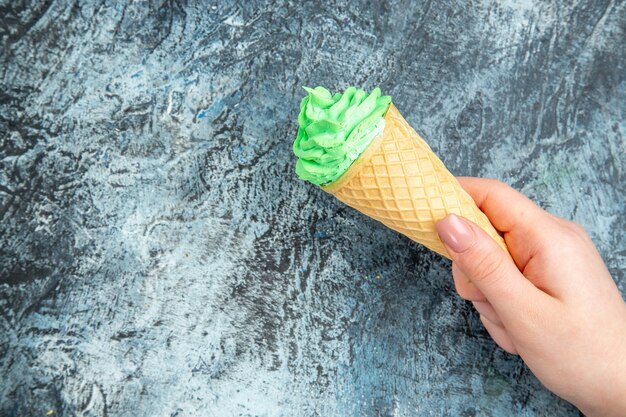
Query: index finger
{"type": "Point", "coordinates": [506, 208]}
{"type": "Point", "coordinates": [526, 226]}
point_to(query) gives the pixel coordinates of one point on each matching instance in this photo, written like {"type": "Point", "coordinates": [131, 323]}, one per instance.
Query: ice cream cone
{"type": "Point", "coordinates": [400, 182]}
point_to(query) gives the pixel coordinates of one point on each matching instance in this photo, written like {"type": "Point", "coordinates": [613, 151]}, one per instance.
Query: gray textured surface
{"type": "Point", "coordinates": [159, 258]}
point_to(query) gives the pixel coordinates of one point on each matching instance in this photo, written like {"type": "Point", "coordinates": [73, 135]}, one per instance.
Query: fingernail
{"type": "Point", "coordinates": [455, 233]}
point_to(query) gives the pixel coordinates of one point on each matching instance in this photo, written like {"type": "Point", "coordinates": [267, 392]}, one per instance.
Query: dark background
{"type": "Point", "coordinates": [159, 257]}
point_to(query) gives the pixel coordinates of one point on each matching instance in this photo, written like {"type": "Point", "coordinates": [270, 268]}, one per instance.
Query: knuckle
{"type": "Point", "coordinates": [495, 183]}
{"type": "Point", "coordinates": [487, 267]}
{"type": "Point", "coordinates": [575, 234]}
{"type": "Point", "coordinates": [464, 287]}
{"type": "Point", "coordinates": [465, 291]}
{"type": "Point", "coordinates": [578, 229]}
{"type": "Point", "coordinates": [461, 285]}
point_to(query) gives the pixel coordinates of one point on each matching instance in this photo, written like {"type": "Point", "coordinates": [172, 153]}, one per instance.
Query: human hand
{"type": "Point", "coordinates": [563, 314]}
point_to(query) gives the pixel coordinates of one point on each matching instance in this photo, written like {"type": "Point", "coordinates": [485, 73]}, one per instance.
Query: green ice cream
{"type": "Point", "coordinates": [335, 130]}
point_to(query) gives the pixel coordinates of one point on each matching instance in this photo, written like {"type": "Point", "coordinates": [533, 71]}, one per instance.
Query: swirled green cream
{"type": "Point", "coordinates": [335, 130]}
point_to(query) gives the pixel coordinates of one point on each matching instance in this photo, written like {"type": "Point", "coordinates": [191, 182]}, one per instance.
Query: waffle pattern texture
{"type": "Point", "coordinates": [400, 182]}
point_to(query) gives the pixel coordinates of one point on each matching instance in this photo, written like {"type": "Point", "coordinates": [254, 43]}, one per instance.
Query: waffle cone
{"type": "Point", "coordinates": [400, 182]}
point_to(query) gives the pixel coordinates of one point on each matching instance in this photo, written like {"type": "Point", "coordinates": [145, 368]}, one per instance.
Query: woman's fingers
{"type": "Point", "coordinates": [506, 208]}
{"type": "Point", "coordinates": [526, 226]}
{"type": "Point", "coordinates": [491, 270]}
{"type": "Point", "coordinates": [499, 335]}
{"type": "Point", "coordinates": [530, 232]}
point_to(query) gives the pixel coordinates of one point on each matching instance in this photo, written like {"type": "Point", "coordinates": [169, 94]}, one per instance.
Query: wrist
{"type": "Point", "coordinates": [608, 397]}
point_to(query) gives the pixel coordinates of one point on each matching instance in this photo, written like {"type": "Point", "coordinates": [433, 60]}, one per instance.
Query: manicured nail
{"type": "Point", "coordinates": [455, 233]}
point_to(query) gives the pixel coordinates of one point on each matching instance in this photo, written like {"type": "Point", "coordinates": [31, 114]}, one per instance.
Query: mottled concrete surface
{"type": "Point", "coordinates": [159, 257]}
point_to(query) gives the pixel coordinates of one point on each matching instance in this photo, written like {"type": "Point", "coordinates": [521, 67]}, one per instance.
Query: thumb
{"type": "Point", "coordinates": [486, 265]}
